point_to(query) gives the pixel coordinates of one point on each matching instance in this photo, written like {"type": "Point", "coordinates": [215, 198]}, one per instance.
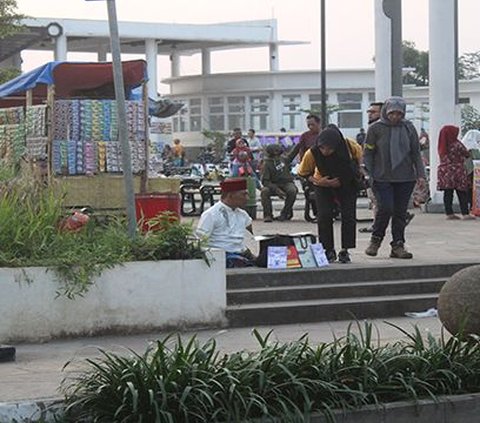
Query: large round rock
{"type": "Point", "coordinates": [459, 302]}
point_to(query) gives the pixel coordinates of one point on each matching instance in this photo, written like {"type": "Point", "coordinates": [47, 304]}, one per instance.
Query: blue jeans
{"type": "Point", "coordinates": [392, 202]}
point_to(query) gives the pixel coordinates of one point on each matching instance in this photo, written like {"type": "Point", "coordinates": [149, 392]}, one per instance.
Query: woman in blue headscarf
{"type": "Point", "coordinates": [393, 161]}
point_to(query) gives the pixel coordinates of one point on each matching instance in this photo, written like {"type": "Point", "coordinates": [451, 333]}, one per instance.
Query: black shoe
{"type": "Point", "coordinates": [366, 230]}
{"type": "Point", "coordinates": [331, 255]}
{"type": "Point", "coordinates": [281, 218]}
{"type": "Point", "coordinates": [344, 257]}
{"type": "Point", "coordinates": [409, 218]}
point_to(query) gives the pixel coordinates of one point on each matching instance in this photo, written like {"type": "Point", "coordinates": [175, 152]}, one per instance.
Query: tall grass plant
{"type": "Point", "coordinates": [185, 381]}
{"type": "Point", "coordinates": [30, 235]}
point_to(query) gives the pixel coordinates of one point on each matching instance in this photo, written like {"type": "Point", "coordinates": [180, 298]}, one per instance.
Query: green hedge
{"type": "Point", "coordinates": [184, 381]}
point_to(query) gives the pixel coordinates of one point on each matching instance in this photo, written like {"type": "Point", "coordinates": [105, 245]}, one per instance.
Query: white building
{"type": "Point", "coordinates": [266, 101]}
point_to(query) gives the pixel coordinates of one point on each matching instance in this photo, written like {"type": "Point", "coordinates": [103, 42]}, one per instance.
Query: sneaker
{"type": "Point", "coordinates": [373, 247]}
{"type": "Point", "coordinates": [268, 219]}
{"type": "Point", "coordinates": [409, 218]}
{"type": "Point", "coordinates": [344, 257]}
{"type": "Point", "coordinates": [399, 251]}
{"type": "Point", "coordinates": [281, 218]}
{"type": "Point", "coordinates": [468, 217]}
{"type": "Point", "coordinates": [331, 255]}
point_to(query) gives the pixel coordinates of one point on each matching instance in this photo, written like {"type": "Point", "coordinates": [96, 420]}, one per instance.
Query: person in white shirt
{"type": "Point", "coordinates": [224, 225]}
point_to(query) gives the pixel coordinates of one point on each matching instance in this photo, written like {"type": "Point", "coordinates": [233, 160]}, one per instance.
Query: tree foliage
{"type": "Point", "coordinates": [9, 18]}
{"type": "Point", "coordinates": [470, 118]}
{"type": "Point", "coordinates": [418, 60]}
{"type": "Point", "coordinates": [9, 25]}
{"type": "Point", "coordinates": [469, 65]}
{"type": "Point", "coordinates": [8, 73]}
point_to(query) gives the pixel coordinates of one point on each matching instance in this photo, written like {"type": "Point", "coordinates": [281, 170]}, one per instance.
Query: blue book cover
{"type": "Point", "coordinates": [319, 254]}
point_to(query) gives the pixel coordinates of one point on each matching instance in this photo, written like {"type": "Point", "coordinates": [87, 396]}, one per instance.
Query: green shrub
{"type": "Point", "coordinates": [30, 213]}
{"type": "Point", "coordinates": [178, 381]}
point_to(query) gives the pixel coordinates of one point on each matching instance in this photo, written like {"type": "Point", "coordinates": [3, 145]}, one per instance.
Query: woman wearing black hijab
{"type": "Point", "coordinates": [332, 167]}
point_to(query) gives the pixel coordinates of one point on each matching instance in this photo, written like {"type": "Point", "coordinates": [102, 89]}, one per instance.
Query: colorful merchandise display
{"type": "Point", "coordinates": [12, 134]}
{"type": "Point", "coordinates": [36, 131]}
{"type": "Point", "coordinates": [85, 137]}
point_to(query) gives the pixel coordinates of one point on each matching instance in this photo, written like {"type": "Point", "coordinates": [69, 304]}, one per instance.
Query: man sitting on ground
{"type": "Point", "coordinates": [224, 225]}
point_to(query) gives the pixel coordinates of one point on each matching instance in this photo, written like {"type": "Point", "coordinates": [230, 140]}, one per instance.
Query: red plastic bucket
{"type": "Point", "coordinates": [149, 206]}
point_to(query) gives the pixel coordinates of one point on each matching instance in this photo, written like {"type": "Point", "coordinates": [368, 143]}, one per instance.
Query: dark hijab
{"type": "Point", "coordinates": [340, 163]}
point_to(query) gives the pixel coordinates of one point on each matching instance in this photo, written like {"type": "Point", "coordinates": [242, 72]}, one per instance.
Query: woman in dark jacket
{"type": "Point", "coordinates": [393, 161]}
{"type": "Point", "coordinates": [332, 167]}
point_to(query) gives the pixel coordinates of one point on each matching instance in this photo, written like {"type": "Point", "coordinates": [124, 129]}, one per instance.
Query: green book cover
{"type": "Point", "coordinates": [305, 254]}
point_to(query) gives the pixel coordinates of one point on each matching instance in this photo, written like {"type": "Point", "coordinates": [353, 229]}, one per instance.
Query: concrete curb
{"type": "Point", "coordinates": [451, 409]}
{"type": "Point", "coordinates": [39, 410]}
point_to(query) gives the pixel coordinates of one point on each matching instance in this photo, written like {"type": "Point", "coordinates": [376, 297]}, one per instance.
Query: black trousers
{"type": "Point", "coordinates": [392, 201]}
{"type": "Point", "coordinates": [448, 201]}
{"type": "Point", "coordinates": [326, 200]}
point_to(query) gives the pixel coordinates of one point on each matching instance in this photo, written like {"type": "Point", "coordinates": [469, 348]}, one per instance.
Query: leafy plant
{"type": "Point", "coordinates": [183, 381]}
{"type": "Point", "coordinates": [219, 140]}
{"type": "Point", "coordinates": [470, 118]}
{"type": "Point", "coordinates": [30, 213]}
{"type": "Point", "coordinates": [10, 18]}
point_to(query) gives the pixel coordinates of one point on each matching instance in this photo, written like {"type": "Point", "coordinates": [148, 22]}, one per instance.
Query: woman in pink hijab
{"type": "Point", "coordinates": [452, 175]}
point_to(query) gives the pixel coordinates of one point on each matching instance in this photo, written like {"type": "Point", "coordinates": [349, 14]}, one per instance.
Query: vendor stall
{"type": "Point", "coordinates": [62, 117]}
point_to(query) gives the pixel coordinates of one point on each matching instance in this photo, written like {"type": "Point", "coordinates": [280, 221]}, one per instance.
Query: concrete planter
{"type": "Point", "coordinates": [137, 296]}
{"type": "Point", "coordinates": [448, 409]}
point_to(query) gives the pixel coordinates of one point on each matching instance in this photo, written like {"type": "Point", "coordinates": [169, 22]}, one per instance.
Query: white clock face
{"type": "Point", "coordinates": [54, 30]}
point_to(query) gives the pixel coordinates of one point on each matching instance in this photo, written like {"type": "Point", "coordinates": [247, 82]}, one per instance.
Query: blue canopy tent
{"type": "Point", "coordinates": [79, 79]}
{"type": "Point", "coordinates": [71, 80]}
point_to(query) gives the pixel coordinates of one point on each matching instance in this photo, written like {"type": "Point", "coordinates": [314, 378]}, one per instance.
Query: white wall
{"type": "Point", "coordinates": [137, 296]}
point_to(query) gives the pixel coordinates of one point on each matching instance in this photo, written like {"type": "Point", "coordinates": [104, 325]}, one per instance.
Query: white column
{"type": "Point", "coordinates": [206, 62]}
{"type": "Point", "coordinates": [383, 53]}
{"type": "Point", "coordinates": [60, 53]}
{"type": "Point", "coordinates": [151, 55]}
{"type": "Point", "coordinates": [273, 50]}
{"type": "Point", "coordinates": [102, 53]}
{"type": "Point", "coordinates": [273, 47]}
{"type": "Point", "coordinates": [442, 79]}
{"type": "Point", "coordinates": [275, 111]}
{"type": "Point", "coordinates": [175, 63]}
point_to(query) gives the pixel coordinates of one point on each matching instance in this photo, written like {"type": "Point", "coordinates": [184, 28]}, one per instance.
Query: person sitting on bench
{"type": "Point", "coordinates": [277, 180]}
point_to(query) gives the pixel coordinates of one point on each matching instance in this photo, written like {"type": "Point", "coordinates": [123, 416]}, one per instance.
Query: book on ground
{"type": "Point", "coordinates": [293, 261]}
{"type": "Point", "coordinates": [277, 257]}
{"type": "Point", "coordinates": [319, 254]}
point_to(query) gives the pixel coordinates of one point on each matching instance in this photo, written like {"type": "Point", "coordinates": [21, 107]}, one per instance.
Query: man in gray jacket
{"type": "Point", "coordinates": [393, 161]}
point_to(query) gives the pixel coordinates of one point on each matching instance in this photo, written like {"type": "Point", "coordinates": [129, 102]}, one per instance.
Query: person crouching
{"type": "Point", "coordinates": [332, 167]}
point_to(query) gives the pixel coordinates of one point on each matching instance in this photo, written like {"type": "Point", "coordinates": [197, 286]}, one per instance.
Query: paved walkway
{"type": "Point", "coordinates": [37, 371]}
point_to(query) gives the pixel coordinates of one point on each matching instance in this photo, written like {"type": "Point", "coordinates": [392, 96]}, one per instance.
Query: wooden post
{"type": "Point", "coordinates": [50, 124]}
{"type": "Point", "coordinates": [144, 176]}
{"type": "Point", "coordinates": [29, 98]}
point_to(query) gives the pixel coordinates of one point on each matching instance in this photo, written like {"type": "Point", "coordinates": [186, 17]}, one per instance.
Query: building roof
{"type": "Point", "coordinates": [90, 35]}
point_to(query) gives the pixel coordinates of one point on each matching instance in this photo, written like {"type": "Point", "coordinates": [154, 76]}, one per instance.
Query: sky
{"type": "Point", "coordinates": [349, 31]}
